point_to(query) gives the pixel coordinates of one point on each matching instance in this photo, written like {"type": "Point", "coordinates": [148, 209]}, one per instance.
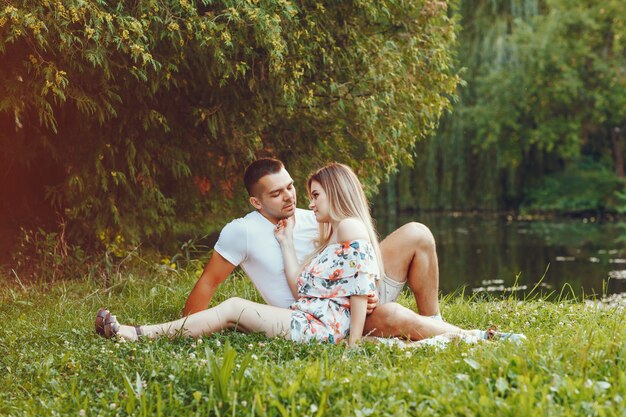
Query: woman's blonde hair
{"type": "Point", "coordinates": [345, 199]}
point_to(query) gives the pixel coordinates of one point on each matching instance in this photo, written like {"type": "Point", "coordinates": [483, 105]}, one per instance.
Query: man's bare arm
{"type": "Point", "coordinates": [215, 272]}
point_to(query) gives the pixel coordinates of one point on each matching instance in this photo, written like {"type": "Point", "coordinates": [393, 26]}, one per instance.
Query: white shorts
{"type": "Point", "coordinates": [389, 289]}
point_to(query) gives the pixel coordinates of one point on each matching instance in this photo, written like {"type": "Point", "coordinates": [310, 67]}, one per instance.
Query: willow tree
{"type": "Point", "coordinates": [455, 171]}
{"type": "Point", "coordinates": [134, 114]}
{"type": "Point", "coordinates": [564, 97]}
{"type": "Point", "coordinates": [544, 86]}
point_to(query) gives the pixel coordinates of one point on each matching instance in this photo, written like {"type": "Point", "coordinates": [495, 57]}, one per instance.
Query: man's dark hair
{"type": "Point", "coordinates": [258, 169]}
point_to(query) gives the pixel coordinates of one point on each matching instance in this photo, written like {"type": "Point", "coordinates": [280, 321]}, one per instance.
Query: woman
{"type": "Point", "coordinates": [331, 288]}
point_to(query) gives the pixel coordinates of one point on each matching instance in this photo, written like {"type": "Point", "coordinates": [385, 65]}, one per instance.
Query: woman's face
{"type": "Point", "coordinates": [319, 203]}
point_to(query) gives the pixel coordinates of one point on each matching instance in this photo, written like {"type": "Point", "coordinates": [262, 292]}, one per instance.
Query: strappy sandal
{"type": "Point", "coordinates": [100, 317]}
{"type": "Point", "coordinates": [108, 326]}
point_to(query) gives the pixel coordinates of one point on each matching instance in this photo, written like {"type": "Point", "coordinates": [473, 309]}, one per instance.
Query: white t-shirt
{"type": "Point", "coordinates": [249, 242]}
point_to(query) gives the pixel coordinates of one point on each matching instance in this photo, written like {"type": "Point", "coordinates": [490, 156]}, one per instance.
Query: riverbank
{"type": "Point", "coordinates": [52, 363]}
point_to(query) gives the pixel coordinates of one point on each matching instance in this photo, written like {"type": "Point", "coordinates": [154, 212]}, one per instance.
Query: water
{"type": "Point", "coordinates": [499, 254]}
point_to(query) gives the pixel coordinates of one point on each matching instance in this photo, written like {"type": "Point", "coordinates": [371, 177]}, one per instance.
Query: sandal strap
{"type": "Point", "coordinates": [108, 326]}
{"type": "Point", "coordinates": [111, 324]}
{"type": "Point", "coordinates": [100, 317]}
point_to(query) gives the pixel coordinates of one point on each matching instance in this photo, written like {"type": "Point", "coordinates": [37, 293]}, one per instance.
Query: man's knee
{"type": "Point", "coordinates": [418, 234]}
{"type": "Point", "coordinates": [387, 314]}
{"type": "Point", "coordinates": [390, 319]}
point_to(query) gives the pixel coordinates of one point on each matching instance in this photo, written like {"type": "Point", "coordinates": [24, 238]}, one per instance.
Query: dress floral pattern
{"type": "Point", "coordinates": [322, 311]}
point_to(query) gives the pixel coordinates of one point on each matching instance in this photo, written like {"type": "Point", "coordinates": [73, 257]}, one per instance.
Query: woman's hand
{"type": "Point", "coordinates": [284, 234]}
{"type": "Point", "coordinates": [284, 230]}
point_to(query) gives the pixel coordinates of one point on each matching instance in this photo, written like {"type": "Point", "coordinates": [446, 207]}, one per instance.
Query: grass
{"type": "Point", "coordinates": [52, 363]}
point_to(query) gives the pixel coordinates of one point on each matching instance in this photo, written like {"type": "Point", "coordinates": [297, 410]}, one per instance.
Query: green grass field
{"type": "Point", "coordinates": [52, 362]}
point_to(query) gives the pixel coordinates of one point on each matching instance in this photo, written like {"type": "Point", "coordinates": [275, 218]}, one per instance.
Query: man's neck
{"type": "Point", "coordinates": [271, 219]}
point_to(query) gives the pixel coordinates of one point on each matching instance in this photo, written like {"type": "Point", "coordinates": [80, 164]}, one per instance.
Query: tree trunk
{"type": "Point", "coordinates": [392, 204]}
{"type": "Point", "coordinates": [618, 156]}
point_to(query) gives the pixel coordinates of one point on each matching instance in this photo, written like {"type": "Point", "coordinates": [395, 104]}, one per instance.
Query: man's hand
{"type": "Point", "coordinates": [372, 302]}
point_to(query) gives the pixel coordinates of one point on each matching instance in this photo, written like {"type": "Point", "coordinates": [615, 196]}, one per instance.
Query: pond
{"type": "Point", "coordinates": [499, 254]}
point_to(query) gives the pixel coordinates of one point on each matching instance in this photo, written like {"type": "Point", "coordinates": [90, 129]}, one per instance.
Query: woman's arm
{"type": "Point", "coordinates": [351, 229]}
{"type": "Point", "coordinates": [358, 309]}
{"type": "Point", "coordinates": [284, 235]}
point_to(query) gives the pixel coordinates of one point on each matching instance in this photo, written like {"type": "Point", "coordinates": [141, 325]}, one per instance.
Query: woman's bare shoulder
{"type": "Point", "coordinates": [351, 228]}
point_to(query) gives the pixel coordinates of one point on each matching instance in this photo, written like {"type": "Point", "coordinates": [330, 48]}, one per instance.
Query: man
{"type": "Point", "coordinates": [409, 256]}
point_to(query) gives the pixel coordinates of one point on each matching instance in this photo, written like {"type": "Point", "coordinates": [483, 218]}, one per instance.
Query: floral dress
{"type": "Point", "coordinates": [322, 311]}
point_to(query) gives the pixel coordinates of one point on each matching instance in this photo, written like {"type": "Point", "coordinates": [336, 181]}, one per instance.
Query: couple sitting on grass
{"type": "Point", "coordinates": [322, 272]}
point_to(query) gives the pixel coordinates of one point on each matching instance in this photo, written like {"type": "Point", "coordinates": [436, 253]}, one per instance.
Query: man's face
{"type": "Point", "coordinates": [275, 196]}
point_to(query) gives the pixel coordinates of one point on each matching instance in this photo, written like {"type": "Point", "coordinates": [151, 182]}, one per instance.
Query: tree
{"type": "Point", "coordinates": [134, 114]}
{"type": "Point", "coordinates": [564, 96]}
{"type": "Point", "coordinates": [544, 92]}
{"type": "Point", "coordinates": [566, 89]}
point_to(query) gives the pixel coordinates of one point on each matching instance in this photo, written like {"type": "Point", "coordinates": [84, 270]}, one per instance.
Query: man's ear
{"type": "Point", "coordinates": [255, 203]}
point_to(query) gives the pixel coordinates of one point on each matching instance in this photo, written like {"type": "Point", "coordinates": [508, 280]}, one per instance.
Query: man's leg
{"type": "Point", "coordinates": [410, 255]}
{"type": "Point", "coordinates": [395, 320]}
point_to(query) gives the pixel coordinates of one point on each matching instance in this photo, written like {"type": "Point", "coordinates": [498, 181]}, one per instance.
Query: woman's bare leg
{"type": "Point", "coordinates": [234, 313]}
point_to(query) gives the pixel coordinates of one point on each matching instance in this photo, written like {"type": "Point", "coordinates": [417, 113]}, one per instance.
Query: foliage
{"type": "Point", "coordinates": [135, 113]}
{"type": "Point", "coordinates": [566, 88]}
{"type": "Point", "coordinates": [47, 256]}
{"type": "Point", "coordinates": [453, 171]}
{"type": "Point", "coordinates": [545, 83]}
{"type": "Point", "coordinates": [53, 363]}
{"type": "Point", "coordinates": [581, 188]}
